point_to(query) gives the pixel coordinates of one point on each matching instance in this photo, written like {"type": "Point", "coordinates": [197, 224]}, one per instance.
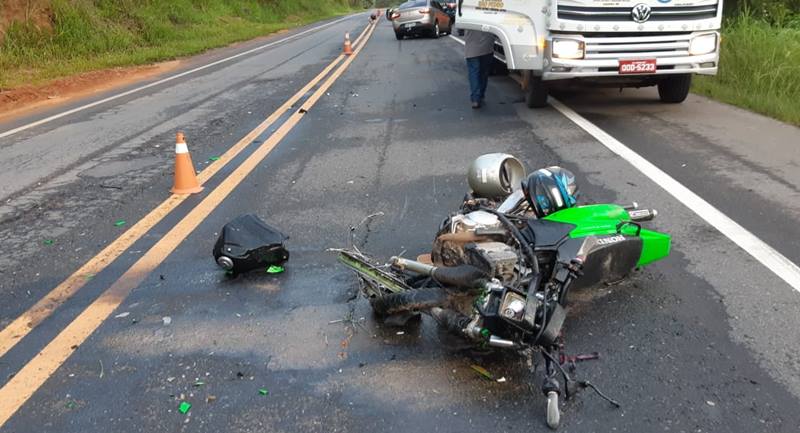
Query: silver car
{"type": "Point", "coordinates": [420, 17]}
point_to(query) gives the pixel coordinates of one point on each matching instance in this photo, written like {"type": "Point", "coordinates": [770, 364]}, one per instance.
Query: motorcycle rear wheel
{"type": "Point", "coordinates": [410, 300]}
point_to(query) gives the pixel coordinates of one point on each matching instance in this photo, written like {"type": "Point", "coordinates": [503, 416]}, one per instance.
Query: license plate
{"type": "Point", "coordinates": [411, 25]}
{"type": "Point", "coordinates": [647, 66]}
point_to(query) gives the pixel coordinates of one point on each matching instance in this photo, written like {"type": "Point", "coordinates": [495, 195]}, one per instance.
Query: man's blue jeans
{"type": "Point", "coordinates": [478, 70]}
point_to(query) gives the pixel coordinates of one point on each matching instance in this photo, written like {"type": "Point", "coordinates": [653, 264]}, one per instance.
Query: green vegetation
{"type": "Point", "coordinates": [73, 36]}
{"type": "Point", "coordinates": [759, 60]}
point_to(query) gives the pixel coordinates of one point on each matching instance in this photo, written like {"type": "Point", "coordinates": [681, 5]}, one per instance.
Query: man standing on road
{"type": "Point", "coordinates": [478, 50]}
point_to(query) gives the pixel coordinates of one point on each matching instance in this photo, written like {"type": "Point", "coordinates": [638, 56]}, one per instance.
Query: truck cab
{"type": "Point", "coordinates": [619, 43]}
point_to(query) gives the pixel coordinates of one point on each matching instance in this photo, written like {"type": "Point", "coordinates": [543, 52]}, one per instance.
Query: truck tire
{"type": "Point", "coordinates": [435, 32]}
{"type": "Point", "coordinates": [675, 88]}
{"type": "Point", "coordinates": [535, 91]}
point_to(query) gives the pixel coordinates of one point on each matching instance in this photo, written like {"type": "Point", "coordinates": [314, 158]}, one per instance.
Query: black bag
{"type": "Point", "coordinates": [248, 243]}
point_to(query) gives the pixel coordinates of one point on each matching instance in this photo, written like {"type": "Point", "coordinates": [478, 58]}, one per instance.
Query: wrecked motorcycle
{"type": "Point", "coordinates": [502, 266]}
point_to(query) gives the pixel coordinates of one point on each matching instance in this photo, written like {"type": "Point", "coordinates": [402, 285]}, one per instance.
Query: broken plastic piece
{"type": "Point", "coordinates": [184, 407]}
{"type": "Point", "coordinates": [263, 391]}
{"type": "Point", "coordinates": [248, 243]}
{"type": "Point", "coordinates": [199, 383]}
{"type": "Point", "coordinates": [120, 223]}
{"type": "Point", "coordinates": [482, 371]}
{"type": "Point", "coordinates": [214, 158]}
{"type": "Point", "coordinates": [274, 269]}
{"type": "Point", "coordinates": [48, 242]}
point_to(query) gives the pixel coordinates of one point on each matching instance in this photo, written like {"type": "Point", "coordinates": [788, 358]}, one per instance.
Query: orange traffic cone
{"type": "Point", "coordinates": [348, 49]}
{"type": "Point", "coordinates": [185, 176]}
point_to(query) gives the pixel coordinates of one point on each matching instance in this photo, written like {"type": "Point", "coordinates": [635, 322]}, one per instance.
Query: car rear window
{"type": "Point", "coordinates": [414, 4]}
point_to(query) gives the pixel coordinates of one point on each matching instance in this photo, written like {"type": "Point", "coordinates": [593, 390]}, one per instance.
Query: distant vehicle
{"type": "Point", "coordinates": [420, 17]}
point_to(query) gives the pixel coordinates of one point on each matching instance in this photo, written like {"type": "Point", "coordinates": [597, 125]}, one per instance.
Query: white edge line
{"type": "Point", "coordinates": [165, 80]}
{"type": "Point", "coordinates": [758, 249]}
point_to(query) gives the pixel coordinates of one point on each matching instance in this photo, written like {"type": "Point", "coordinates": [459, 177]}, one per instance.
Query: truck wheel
{"type": "Point", "coordinates": [435, 34]}
{"type": "Point", "coordinates": [674, 89]}
{"type": "Point", "coordinates": [535, 91]}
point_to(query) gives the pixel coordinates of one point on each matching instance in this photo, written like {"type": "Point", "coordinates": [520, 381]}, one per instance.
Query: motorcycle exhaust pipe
{"type": "Point", "coordinates": [632, 206]}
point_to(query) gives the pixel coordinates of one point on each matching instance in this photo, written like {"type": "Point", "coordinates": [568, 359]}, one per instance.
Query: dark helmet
{"type": "Point", "coordinates": [549, 190]}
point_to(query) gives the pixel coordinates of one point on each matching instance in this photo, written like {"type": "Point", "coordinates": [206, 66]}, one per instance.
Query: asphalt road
{"type": "Point", "coordinates": [705, 341]}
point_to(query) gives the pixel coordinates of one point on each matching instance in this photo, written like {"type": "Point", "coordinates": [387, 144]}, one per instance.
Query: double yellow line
{"type": "Point", "coordinates": [30, 378]}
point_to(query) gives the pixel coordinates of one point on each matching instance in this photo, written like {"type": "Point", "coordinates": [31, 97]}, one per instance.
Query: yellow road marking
{"type": "Point", "coordinates": [28, 320]}
{"type": "Point", "coordinates": [28, 380]}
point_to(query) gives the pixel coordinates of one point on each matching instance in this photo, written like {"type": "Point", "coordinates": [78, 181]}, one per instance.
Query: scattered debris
{"type": "Point", "coordinates": [211, 398]}
{"type": "Point", "coordinates": [214, 158]}
{"type": "Point", "coordinates": [120, 223]}
{"type": "Point", "coordinates": [166, 320]}
{"type": "Point", "coordinates": [502, 380]}
{"type": "Point", "coordinates": [184, 407]}
{"type": "Point", "coordinates": [199, 383]}
{"type": "Point", "coordinates": [274, 269]}
{"type": "Point", "coordinates": [303, 111]}
{"type": "Point", "coordinates": [170, 379]}
{"type": "Point", "coordinates": [482, 371]}
{"type": "Point", "coordinates": [88, 276]}
{"type": "Point", "coordinates": [122, 315]}
{"type": "Point", "coordinates": [710, 403]}
{"type": "Point", "coordinates": [400, 332]}
{"type": "Point", "coordinates": [102, 371]}
{"type": "Point", "coordinates": [263, 391]}
{"type": "Point", "coordinates": [70, 405]}
{"type": "Point", "coordinates": [48, 242]}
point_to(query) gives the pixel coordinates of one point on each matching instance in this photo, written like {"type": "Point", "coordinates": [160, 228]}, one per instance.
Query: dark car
{"type": "Point", "coordinates": [420, 17]}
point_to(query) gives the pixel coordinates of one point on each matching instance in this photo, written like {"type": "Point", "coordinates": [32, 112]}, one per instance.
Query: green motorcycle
{"type": "Point", "coordinates": [502, 266]}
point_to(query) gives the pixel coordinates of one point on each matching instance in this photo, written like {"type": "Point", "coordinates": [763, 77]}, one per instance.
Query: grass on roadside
{"type": "Point", "coordinates": [759, 68]}
{"type": "Point", "coordinates": [88, 35]}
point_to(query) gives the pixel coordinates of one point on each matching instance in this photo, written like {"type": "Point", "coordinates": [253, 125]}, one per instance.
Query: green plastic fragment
{"type": "Point", "coordinates": [88, 276]}
{"type": "Point", "coordinates": [199, 383]}
{"type": "Point", "coordinates": [273, 269]}
{"type": "Point", "coordinates": [120, 223]}
{"type": "Point", "coordinates": [48, 242]}
{"type": "Point", "coordinates": [482, 371]}
{"type": "Point", "coordinates": [263, 391]}
{"type": "Point", "coordinates": [70, 405]}
{"type": "Point", "coordinates": [214, 158]}
{"type": "Point", "coordinates": [184, 407]}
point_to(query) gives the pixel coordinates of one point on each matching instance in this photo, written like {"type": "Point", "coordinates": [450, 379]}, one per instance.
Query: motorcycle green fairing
{"type": "Point", "coordinates": [611, 219]}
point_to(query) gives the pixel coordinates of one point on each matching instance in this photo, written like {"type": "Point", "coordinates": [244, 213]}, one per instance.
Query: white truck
{"type": "Point", "coordinates": [619, 43]}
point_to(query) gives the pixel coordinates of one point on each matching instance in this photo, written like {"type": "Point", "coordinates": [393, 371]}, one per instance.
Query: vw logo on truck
{"type": "Point", "coordinates": [640, 13]}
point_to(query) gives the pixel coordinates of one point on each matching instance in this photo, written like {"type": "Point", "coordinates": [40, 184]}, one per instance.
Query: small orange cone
{"type": "Point", "coordinates": [185, 176]}
{"type": "Point", "coordinates": [348, 49]}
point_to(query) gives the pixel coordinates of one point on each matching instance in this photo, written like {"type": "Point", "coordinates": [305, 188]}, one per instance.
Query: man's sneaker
{"type": "Point", "coordinates": [476, 105]}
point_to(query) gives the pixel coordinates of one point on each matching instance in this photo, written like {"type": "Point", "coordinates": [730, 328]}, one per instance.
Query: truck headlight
{"type": "Point", "coordinates": [703, 44]}
{"type": "Point", "coordinates": [568, 48]}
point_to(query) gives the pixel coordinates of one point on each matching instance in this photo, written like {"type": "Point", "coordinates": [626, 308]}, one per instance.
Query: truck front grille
{"type": "Point", "coordinates": [633, 47]}
{"type": "Point", "coordinates": [659, 13]}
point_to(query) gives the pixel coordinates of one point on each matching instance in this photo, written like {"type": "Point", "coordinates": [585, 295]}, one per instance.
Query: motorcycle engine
{"type": "Point", "coordinates": [476, 238]}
